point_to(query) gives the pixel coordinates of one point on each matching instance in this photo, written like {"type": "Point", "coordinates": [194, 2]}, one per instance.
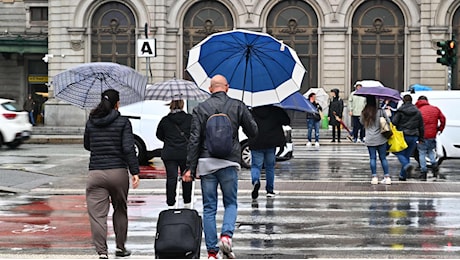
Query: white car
{"type": "Point", "coordinates": [14, 124]}
{"type": "Point", "coordinates": [146, 115]}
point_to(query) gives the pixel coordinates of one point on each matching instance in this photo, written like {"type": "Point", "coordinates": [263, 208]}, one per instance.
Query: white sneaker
{"type": "Point", "coordinates": [316, 144]}
{"type": "Point", "coordinates": [309, 144]}
{"type": "Point", "coordinates": [386, 181]}
{"type": "Point", "coordinates": [375, 181]}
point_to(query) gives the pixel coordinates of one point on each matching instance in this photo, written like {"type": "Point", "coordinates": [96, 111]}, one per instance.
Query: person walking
{"type": "Point", "coordinates": [109, 138]}
{"type": "Point", "coordinates": [29, 106]}
{"type": "Point", "coordinates": [356, 105]}
{"type": "Point", "coordinates": [408, 119]}
{"type": "Point", "coordinates": [335, 113]}
{"type": "Point", "coordinates": [263, 147]}
{"type": "Point", "coordinates": [375, 141]}
{"type": "Point", "coordinates": [174, 131]}
{"type": "Point", "coordinates": [313, 120]}
{"type": "Point", "coordinates": [434, 122]}
{"type": "Point", "coordinates": [215, 171]}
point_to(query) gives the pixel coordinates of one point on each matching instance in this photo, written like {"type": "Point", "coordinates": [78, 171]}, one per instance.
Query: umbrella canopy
{"type": "Point", "coordinates": [418, 87]}
{"type": "Point", "coordinates": [322, 98]}
{"type": "Point", "coordinates": [175, 89]}
{"type": "Point", "coordinates": [369, 83]}
{"type": "Point", "coordinates": [379, 92]}
{"type": "Point", "coordinates": [260, 69]}
{"type": "Point", "coordinates": [82, 85]}
{"type": "Point", "coordinates": [298, 102]}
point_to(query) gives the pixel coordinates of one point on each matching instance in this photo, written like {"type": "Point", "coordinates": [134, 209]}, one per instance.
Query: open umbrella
{"type": "Point", "coordinates": [379, 92]}
{"type": "Point", "coordinates": [175, 89]}
{"type": "Point", "coordinates": [298, 102]}
{"type": "Point", "coordinates": [322, 98]}
{"type": "Point", "coordinates": [369, 83]}
{"type": "Point", "coordinates": [260, 69]}
{"type": "Point", "coordinates": [82, 85]}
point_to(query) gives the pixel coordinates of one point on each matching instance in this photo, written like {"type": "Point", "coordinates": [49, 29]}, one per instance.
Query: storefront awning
{"type": "Point", "coordinates": [21, 45]}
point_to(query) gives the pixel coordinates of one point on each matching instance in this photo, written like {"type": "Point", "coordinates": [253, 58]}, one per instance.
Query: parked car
{"type": "Point", "coordinates": [14, 124]}
{"type": "Point", "coordinates": [146, 115]}
{"type": "Point", "coordinates": [448, 142]}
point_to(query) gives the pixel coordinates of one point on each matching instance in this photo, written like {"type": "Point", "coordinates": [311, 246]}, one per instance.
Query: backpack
{"type": "Point", "coordinates": [219, 132]}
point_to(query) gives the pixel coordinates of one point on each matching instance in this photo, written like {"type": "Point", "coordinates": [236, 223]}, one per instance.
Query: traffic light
{"type": "Point", "coordinates": [452, 52]}
{"type": "Point", "coordinates": [444, 59]}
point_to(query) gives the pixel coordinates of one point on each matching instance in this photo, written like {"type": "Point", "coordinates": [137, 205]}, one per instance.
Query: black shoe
{"type": "Point", "coordinates": [410, 171]}
{"type": "Point", "coordinates": [255, 191]}
{"type": "Point", "coordinates": [402, 178]}
{"type": "Point", "coordinates": [422, 176]}
{"type": "Point", "coordinates": [122, 252]}
{"type": "Point", "coordinates": [435, 171]}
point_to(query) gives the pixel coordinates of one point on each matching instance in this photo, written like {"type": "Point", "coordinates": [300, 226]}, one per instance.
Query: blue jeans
{"type": "Point", "coordinates": [260, 158]}
{"type": "Point", "coordinates": [382, 150]}
{"type": "Point", "coordinates": [427, 148]}
{"type": "Point", "coordinates": [313, 124]}
{"type": "Point", "coordinates": [31, 117]}
{"type": "Point", "coordinates": [227, 178]}
{"type": "Point", "coordinates": [404, 155]}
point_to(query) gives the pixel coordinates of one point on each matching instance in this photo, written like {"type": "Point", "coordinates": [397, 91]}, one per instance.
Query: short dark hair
{"type": "Point", "coordinates": [407, 98]}
{"type": "Point", "coordinates": [423, 98]}
{"type": "Point", "coordinates": [311, 95]}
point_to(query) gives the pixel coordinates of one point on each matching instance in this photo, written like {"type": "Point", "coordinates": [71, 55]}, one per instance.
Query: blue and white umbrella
{"type": "Point", "coordinates": [298, 102]}
{"type": "Point", "coordinates": [83, 85]}
{"type": "Point", "coordinates": [260, 69]}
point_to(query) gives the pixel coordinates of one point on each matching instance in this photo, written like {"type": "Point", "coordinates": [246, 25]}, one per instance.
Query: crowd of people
{"type": "Point", "coordinates": [187, 156]}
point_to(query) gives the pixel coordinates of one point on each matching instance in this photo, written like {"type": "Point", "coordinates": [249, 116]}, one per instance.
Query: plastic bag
{"type": "Point", "coordinates": [396, 142]}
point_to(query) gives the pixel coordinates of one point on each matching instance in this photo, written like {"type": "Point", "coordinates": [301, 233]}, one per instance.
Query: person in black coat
{"type": "Point", "coordinates": [109, 137]}
{"type": "Point", "coordinates": [335, 113]}
{"type": "Point", "coordinates": [270, 120]}
{"type": "Point", "coordinates": [174, 131]}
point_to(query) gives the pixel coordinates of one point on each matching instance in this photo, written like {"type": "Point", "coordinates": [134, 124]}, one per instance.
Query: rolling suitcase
{"type": "Point", "coordinates": [179, 231]}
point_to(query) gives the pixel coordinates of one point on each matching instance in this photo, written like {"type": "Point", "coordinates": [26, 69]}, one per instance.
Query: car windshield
{"type": "Point", "coordinates": [11, 106]}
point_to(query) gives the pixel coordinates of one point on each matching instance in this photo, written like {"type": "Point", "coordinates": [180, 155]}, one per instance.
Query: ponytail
{"type": "Point", "coordinates": [109, 99]}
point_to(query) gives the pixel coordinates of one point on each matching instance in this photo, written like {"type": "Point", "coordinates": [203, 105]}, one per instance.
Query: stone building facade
{"type": "Point", "coordinates": [338, 41]}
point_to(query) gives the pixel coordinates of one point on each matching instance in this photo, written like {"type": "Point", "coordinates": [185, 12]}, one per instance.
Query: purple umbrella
{"type": "Point", "coordinates": [379, 92]}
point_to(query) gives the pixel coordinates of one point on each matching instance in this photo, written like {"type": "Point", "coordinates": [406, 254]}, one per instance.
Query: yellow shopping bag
{"type": "Point", "coordinates": [396, 142]}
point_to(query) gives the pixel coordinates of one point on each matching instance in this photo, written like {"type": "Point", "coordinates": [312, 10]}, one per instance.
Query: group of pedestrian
{"type": "Point", "coordinates": [420, 123]}
{"type": "Point", "coordinates": [109, 138]}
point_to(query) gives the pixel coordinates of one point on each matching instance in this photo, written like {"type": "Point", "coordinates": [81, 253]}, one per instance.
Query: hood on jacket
{"type": "Point", "coordinates": [408, 109]}
{"type": "Point", "coordinates": [336, 91]}
{"type": "Point", "coordinates": [106, 120]}
{"type": "Point", "coordinates": [421, 103]}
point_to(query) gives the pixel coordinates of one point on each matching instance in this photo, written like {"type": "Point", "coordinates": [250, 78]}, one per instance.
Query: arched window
{"type": "Point", "coordinates": [202, 19]}
{"type": "Point", "coordinates": [378, 44]}
{"type": "Point", "coordinates": [113, 34]}
{"type": "Point", "coordinates": [456, 34]}
{"type": "Point", "coordinates": [296, 23]}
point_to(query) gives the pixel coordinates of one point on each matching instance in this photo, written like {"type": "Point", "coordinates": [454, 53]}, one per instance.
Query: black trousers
{"type": "Point", "coordinates": [336, 128]}
{"type": "Point", "coordinates": [172, 171]}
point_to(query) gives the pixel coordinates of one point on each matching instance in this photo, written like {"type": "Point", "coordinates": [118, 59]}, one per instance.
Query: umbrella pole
{"type": "Point", "coordinates": [248, 50]}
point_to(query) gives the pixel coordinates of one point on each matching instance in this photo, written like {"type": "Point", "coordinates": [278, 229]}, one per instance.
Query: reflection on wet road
{"type": "Point", "coordinates": [289, 226]}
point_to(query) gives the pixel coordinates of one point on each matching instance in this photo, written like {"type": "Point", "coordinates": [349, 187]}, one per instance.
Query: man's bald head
{"type": "Point", "coordinates": [218, 83]}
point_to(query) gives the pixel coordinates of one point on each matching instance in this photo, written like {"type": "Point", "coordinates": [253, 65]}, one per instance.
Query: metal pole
{"type": "Point", "coordinates": [147, 64]}
{"type": "Point", "coordinates": [449, 78]}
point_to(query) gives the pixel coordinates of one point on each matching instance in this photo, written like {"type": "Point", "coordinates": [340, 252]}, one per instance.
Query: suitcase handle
{"type": "Point", "coordinates": [178, 188]}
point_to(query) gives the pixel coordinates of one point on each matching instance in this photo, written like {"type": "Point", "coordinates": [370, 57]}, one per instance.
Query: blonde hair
{"type": "Point", "coordinates": [176, 104]}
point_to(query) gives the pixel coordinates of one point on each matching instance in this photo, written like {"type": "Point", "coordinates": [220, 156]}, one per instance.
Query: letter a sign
{"type": "Point", "coordinates": [146, 48]}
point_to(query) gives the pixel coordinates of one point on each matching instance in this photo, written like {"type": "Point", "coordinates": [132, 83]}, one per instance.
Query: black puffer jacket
{"type": "Point", "coordinates": [270, 121]}
{"type": "Point", "coordinates": [169, 131]}
{"type": "Point", "coordinates": [111, 143]}
{"type": "Point", "coordinates": [409, 120]}
{"type": "Point", "coordinates": [239, 115]}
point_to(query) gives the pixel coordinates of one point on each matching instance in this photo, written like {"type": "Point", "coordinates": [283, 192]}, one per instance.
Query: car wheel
{"type": "Point", "coordinates": [14, 144]}
{"type": "Point", "coordinates": [245, 155]}
{"type": "Point", "coordinates": [140, 152]}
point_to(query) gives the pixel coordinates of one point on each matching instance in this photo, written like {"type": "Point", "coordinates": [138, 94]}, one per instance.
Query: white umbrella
{"type": "Point", "coordinates": [322, 98]}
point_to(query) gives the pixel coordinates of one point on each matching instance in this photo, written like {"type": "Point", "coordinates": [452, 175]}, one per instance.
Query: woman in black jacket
{"type": "Point", "coordinates": [109, 138]}
{"type": "Point", "coordinates": [174, 131]}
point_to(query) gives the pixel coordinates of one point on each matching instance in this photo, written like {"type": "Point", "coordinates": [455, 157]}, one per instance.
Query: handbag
{"type": "Point", "coordinates": [396, 142]}
{"type": "Point", "coordinates": [385, 128]}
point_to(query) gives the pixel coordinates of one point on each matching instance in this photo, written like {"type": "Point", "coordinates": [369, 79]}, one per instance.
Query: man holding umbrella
{"type": "Point", "coordinates": [218, 171]}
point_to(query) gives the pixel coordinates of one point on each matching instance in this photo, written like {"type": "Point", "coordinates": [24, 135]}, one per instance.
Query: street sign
{"type": "Point", "coordinates": [146, 48]}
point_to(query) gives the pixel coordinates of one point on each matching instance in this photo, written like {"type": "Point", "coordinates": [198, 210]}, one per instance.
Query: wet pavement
{"type": "Point", "coordinates": [326, 208]}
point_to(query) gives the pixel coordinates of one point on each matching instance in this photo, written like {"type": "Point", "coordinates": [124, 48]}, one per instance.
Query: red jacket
{"type": "Point", "coordinates": [431, 115]}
